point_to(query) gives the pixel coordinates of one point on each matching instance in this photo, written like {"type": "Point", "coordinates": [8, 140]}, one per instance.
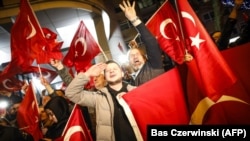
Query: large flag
{"type": "Point", "coordinates": [159, 101]}
{"type": "Point", "coordinates": [26, 34]}
{"type": "Point", "coordinates": [28, 115]}
{"type": "Point", "coordinates": [27, 42]}
{"type": "Point", "coordinates": [233, 107]}
{"type": "Point", "coordinates": [76, 128]}
{"type": "Point", "coordinates": [83, 49]}
{"type": "Point", "coordinates": [212, 70]}
{"type": "Point", "coordinates": [165, 26]}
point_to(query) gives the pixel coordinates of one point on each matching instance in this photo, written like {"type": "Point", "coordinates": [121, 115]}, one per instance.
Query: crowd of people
{"type": "Point", "coordinates": [111, 81]}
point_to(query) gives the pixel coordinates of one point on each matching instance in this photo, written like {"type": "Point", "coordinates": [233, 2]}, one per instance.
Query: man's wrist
{"type": "Point", "coordinates": [134, 19]}
{"type": "Point", "coordinates": [59, 67]}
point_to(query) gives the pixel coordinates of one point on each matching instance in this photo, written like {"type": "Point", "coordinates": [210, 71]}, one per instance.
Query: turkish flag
{"type": "Point", "coordinates": [11, 84]}
{"type": "Point", "coordinates": [213, 71]}
{"type": "Point", "coordinates": [52, 49]}
{"type": "Point", "coordinates": [27, 34]}
{"type": "Point", "coordinates": [159, 101]}
{"type": "Point", "coordinates": [76, 128]}
{"type": "Point", "coordinates": [233, 106]}
{"type": "Point", "coordinates": [83, 49]}
{"type": "Point", "coordinates": [48, 74]}
{"type": "Point", "coordinates": [28, 115]}
{"type": "Point", "coordinates": [26, 41]}
{"type": "Point", "coordinates": [164, 26]}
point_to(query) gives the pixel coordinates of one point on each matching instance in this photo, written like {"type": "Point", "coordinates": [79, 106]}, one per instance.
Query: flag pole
{"type": "Point", "coordinates": [40, 72]}
{"type": "Point", "coordinates": [180, 24]}
{"type": "Point", "coordinates": [69, 118]}
{"type": "Point", "coordinates": [106, 58]}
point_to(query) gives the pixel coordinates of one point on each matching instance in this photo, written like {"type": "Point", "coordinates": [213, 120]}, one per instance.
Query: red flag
{"type": "Point", "coordinates": [11, 84]}
{"type": "Point", "coordinates": [26, 41]}
{"type": "Point", "coordinates": [233, 106]}
{"type": "Point", "coordinates": [28, 115]}
{"type": "Point", "coordinates": [27, 34]}
{"type": "Point", "coordinates": [165, 26]}
{"type": "Point", "coordinates": [213, 70]}
{"type": "Point", "coordinates": [76, 128]}
{"type": "Point", "coordinates": [166, 106]}
{"type": "Point", "coordinates": [83, 49]}
{"type": "Point", "coordinates": [52, 50]}
{"type": "Point", "coordinates": [48, 74]}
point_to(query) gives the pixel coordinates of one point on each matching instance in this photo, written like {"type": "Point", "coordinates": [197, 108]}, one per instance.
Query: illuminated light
{"type": "Point", "coordinates": [234, 39]}
{"type": "Point", "coordinates": [245, 5]}
{"type": "Point", "coordinates": [122, 59]}
{"type": "Point", "coordinates": [3, 104]}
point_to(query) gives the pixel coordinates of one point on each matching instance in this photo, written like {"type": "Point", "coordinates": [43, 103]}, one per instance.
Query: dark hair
{"type": "Point", "coordinates": [59, 106]}
{"type": "Point", "coordinates": [112, 61]}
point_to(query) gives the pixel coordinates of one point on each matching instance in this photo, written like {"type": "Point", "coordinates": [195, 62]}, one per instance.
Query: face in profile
{"type": "Point", "coordinates": [113, 73]}
{"type": "Point", "coordinates": [136, 59]}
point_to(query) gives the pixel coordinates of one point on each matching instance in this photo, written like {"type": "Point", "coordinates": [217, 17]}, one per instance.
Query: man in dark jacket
{"type": "Point", "coordinates": [145, 65]}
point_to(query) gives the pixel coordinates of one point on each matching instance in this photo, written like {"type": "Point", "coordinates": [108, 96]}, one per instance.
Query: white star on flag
{"type": "Point", "coordinates": [196, 41]}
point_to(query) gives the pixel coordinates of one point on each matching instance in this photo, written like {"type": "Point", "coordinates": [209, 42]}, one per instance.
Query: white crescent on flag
{"type": "Point", "coordinates": [206, 103]}
{"type": "Point", "coordinates": [33, 31]}
{"type": "Point", "coordinates": [5, 84]}
{"type": "Point", "coordinates": [84, 44]}
{"type": "Point", "coordinates": [188, 16]}
{"type": "Point", "coordinates": [196, 40]}
{"type": "Point", "coordinates": [73, 130]}
{"type": "Point", "coordinates": [33, 108]}
{"type": "Point", "coordinates": [164, 24]}
{"type": "Point", "coordinates": [47, 74]}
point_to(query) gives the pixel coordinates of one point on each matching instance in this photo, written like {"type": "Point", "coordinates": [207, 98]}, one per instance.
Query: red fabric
{"type": "Point", "coordinates": [213, 70]}
{"type": "Point", "coordinates": [159, 101]}
{"type": "Point", "coordinates": [27, 33]}
{"type": "Point", "coordinates": [48, 74]}
{"type": "Point", "coordinates": [237, 59]}
{"type": "Point", "coordinates": [52, 50]}
{"type": "Point", "coordinates": [234, 109]}
{"type": "Point", "coordinates": [83, 49]}
{"type": "Point", "coordinates": [28, 116]}
{"type": "Point", "coordinates": [165, 26]}
{"type": "Point", "coordinates": [76, 128]}
{"type": "Point", "coordinates": [28, 43]}
{"type": "Point", "coordinates": [11, 84]}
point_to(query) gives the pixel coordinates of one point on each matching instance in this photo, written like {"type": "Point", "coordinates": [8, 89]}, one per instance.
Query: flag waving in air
{"type": "Point", "coordinates": [26, 35]}
{"type": "Point", "coordinates": [165, 26]}
{"type": "Point", "coordinates": [28, 115]}
{"type": "Point", "coordinates": [83, 49]}
{"type": "Point", "coordinates": [213, 71]}
{"type": "Point", "coordinates": [217, 82]}
{"type": "Point", "coordinates": [76, 128]}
